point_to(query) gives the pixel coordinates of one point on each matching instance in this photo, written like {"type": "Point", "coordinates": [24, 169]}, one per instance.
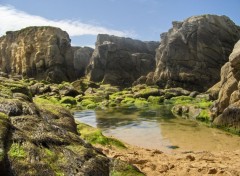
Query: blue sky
{"type": "Point", "coordinates": [84, 19]}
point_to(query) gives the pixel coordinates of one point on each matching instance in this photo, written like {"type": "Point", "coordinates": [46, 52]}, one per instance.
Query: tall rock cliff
{"type": "Point", "coordinates": [40, 52]}
{"type": "Point", "coordinates": [120, 61]}
{"type": "Point", "coordinates": [192, 52]}
{"type": "Point", "coordinates": [81, 60]}
{"type": "Point", "coordinates": [227, 107]}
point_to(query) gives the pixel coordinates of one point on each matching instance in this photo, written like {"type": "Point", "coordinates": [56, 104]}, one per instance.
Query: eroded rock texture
{"type": "Point", "coordinates": [40, 52]}
{"type": "Point", "coordinates": [227, 108]}
{"type": "Point", "coordinates": [192, 52]}
{"type": "Point", "coordinates": [120, 61]}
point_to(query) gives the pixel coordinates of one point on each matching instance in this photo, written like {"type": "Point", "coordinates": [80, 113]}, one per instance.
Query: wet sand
{"type": "Point", "coordinates": [155, 162]}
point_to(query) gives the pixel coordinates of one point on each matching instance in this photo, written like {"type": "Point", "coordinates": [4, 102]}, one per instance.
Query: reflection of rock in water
{"type": "Point", "coordinates": [156, 128]}
{"type": "Point", "coordinates": [116, 118]}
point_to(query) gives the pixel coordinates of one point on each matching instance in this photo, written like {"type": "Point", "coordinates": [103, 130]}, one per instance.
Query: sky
{"type": "Point", "coordinates": [84, 19]}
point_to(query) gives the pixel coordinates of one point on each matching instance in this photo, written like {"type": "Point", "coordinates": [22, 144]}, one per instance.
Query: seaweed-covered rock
{"type": "Point", "coordinates": [41, 138]}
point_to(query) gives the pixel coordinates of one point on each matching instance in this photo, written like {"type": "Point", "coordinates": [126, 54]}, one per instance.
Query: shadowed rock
{"type": "Point", "coordinates": [120, 61]}
{"type": "Point", "coordinates": [81, 59]}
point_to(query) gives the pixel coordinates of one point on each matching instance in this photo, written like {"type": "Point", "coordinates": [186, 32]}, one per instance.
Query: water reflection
{"type": "Point", "coordinates": [157, 128]}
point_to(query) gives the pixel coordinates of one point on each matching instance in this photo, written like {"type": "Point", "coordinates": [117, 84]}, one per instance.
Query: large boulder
{"type": "Point", "coordinates": [192, 52]}
{"type": "Point", "coordinates": [227, 107]}
{"type": "Point", "coordinates": [40, 52]}
{"type": "Point", "coordinates": [120, 61]}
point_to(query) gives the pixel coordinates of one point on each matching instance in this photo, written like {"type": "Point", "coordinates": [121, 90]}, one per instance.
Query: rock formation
{"type": "Point", "coordinates": [81, 59]}
{"type": "Point", "coordinates": [41, 52]}
{"type": "Point", "coordinates": [192, 52]}
{"type": "Point", "coordinates": [120, 61]}
{"type": "Point", "coordinates": [41, 138]}
{"type": "Point", "coordinates": [227, 108]}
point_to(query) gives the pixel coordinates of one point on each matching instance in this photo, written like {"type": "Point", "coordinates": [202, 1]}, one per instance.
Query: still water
{"type": "Point", "coordinates": [157, 128]}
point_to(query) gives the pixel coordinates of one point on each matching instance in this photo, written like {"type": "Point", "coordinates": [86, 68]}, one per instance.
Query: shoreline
{"type": "Point", "coordinates": [156, 162]}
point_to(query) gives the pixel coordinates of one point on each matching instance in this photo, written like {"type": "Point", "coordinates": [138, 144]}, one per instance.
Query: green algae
{"type": "Point", "coordinates": [95, 136]}
{"type": "Point", "coordinates": [120, 168]}
{"type": "Point", "coordinates": [155, 99]}
{"type": "Point", "coordinates": [17, 151]}
{"type": "Point", "coordinates": [68, 100]}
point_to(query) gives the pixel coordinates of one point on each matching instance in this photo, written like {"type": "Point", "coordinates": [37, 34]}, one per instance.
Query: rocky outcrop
{"type": "Point", "coordinates": [227, 107]}
{"type": "Point", "coordinates": [40, 52]}
{"type": "Point", "coordinates": [192, 52]}
{"type": "Point", "coordinates": [120, 61]}
{"type": "Point", "coordinates": [41, 138]}
{"type": "Point", "coordinates": [81, 59]}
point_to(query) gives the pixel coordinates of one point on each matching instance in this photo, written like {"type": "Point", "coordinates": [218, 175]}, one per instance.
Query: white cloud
{"type": "Point", "coordinates": [12, 19]}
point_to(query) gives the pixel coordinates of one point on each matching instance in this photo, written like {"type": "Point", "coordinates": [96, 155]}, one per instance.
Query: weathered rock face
{"type": "Point", "coordinates": [81, 59]}
{"type": "Point", "coordinates": [227, 108]}
{"type": "Point", "coordinates": [192, 53]}
{"type": "Point", "coordinates": [40, 52]}
{"type": "Point", "coordinates": [120, 61]}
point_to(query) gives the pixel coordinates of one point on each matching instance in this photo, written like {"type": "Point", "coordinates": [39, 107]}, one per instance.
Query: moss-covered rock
{"type": "Point", "coordinates": [145, 93]}
{"type": "Point", "coordinates": [39, 89]}
{"type": "Point", "coordinates": [95, 136]}
{"type": "Point", "coordinates": [11, 107]}
{"type": "Point", "coordinates": [9, 86]}
{"type": "Point", "coordinates": [43, 138]}
{"type": "Point", "coordinates": [120, 168]}
{"type": "Point", "coordinates": [141, 102]}
{"type": "Point", "coordinates": [189, 107]}
{"type": "Point", "coordinates": [66, 89]}
{"type": "Point", "coordinates": [88, 104]}
{"type": "Point", "coordinates": [83, 84]}
{"type": "Point", "coordinates": [128, 101]}
{"type": "Point", "coordinates": [174, 92]}
{"type": "Point", "coordinates": [4, 129]}
{"type": "Point", "coordinates": [68, 100]}
{"type": "Point", "coordinates": [155, 99]}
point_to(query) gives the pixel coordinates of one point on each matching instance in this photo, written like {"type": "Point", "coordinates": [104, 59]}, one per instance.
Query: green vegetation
{"type": "Point", "coordinates": [128, 101]}
{"type": "Point", "coordinates": [204, 115]}
{"type": "Point", "coordinates": [141, 102]}
{"type": "Point", "coordinates": [88, 104]}
{"type": "Point", "coordinates": [54, 160]}
{"type": "Point", "coordinates": [120, 168]}
{"type": "Point", "coordinates": [64, 84]}
{"type": "Point", "coordinates": [148, 91]}
{"type": "Point", "coordinates": [17, 151]}
{"type": "Point", "coordinates": [203, 103]}
{"type": "Point", "coordinates": [155, 99]}
{"type": "Point", "coordinates": [68, 100]}
{"type": "Point", "coordinates": [228, 129]}
{"type": "Point", "coordinates": [95, 136]}
{"type": "Point", "coordinates": [191, 107]}
{"type": "Point", "coordinates": [49, 105]}
{"type": "Point", "coordinates": [5, 92]}
{"type": "Point", "coordinates": [4, 124]}
{"type": "Point", "coordinates": [183, 100]}
{"type": "Point", "coordinates": [43, 100]}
